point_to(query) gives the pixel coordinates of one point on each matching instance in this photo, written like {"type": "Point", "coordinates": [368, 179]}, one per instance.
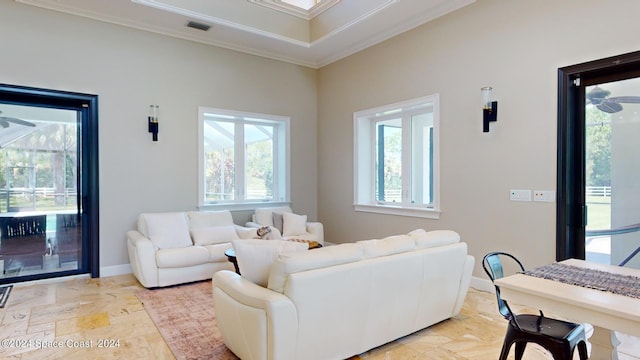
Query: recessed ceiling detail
{"type": "Point", "coordinates": [335, 28]}
{"type": "Point", "coordinates": [305, 9]}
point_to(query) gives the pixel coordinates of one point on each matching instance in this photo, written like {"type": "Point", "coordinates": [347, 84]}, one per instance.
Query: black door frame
{"type": "Point", "coordinates": [570, 197]}
{"type": "Point", "coordinates": [87, 106]}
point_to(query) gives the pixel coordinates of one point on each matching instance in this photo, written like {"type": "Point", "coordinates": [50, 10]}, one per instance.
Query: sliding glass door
{"type": "Point", "coordinates": [598, 214]}
{"type": "Point", "coordinates": [612, 168]}
{"type": "Point", "coordinates": [46, 195]}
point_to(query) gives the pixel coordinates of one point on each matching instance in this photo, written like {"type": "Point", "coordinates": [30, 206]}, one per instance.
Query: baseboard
{"type": "Point", "coordinates": [115, 270]}
{"type": "Point", "coordinates": [482, 284]}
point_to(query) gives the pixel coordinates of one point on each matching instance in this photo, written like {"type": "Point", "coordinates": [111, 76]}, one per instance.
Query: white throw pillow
{"type": "Point", "coordinates": [294, 224]}
{"type": "Point", "coordinates": [255, 257]}
{"type": "Point", "coordinates": [214, 235]}
{"type": "Point", "coordinates": [168, 230]}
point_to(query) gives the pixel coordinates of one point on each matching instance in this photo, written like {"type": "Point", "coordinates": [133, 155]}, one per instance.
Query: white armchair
{"type": "Point", "coordinates": [287, 225]}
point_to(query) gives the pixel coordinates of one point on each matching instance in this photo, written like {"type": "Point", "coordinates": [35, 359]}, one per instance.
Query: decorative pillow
{"type": "Point", "coordinates": [264, 216]}
{"type": "Point", "coordinates": [199, 219]}
{"type": "Point", "coordinates": [255, 257]}
{"type": "Point", "coordinates": [277, 220]}
{"type": "Point", "coordinates": [214, 235]}
{"type": "Point", "coordinates": [168, 230]}
{"type": "Point", "coordinates": [294, 224]}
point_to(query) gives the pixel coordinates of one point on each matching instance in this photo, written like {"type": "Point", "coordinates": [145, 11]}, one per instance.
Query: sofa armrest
{"type": "Point", "coordinates": [317, 230]}
{"type": "Point", "coordinates": [465, 281]}
{"type": "Point", "coordinates": [142, 255]}
{"type": "Point", "coordinates": [255, 322]}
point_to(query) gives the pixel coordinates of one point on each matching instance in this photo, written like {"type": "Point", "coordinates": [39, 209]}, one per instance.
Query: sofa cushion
{"type": "Point", "coordinates": [167, 230]}
{"type": "Point", "coordinates": [256, 256]}
{"type": "Point", "coordinates": [264, 216]}
{"type": "Point", "coordinates": [388, 246]}
{"type": "Point", "coordinates": [426, 239]}
{"type": "Point", "coordinates": [214, 234]}
{"type": "Point", "coordinates": [216, 252]}
{"type": "Point", "coordinates": [198, 219]}
{"type": "Point", "coordinates": [182, 257]}
{"type": "Point", "coordinates": [294, 224]}
{"type": "Point", "coordinates": [323, 257]}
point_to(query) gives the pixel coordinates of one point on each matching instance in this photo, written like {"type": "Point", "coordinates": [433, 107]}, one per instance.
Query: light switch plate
{"type": "Point", "coordinates": [544, 195]}
{"type": "Point", "coordinates": [520, 195]}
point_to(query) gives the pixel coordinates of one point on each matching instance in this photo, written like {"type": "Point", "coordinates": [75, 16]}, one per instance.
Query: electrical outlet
{"type": "Point", "coordinates": [544, 195]}
{"type": "Point", "coordinates": [520, 195]}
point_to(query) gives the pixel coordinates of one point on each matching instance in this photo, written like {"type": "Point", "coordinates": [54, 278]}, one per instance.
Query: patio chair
{"type": "Point", "coordinates": [558, 337]}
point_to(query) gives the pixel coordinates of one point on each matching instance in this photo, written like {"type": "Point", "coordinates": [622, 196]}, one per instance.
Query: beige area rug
{"type": "Point", "coordinates": [185, 317]}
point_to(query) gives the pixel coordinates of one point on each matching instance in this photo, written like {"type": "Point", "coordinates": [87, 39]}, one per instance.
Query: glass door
{"type": "Point", "coordinates": [612, 170]}
{"type": "Point", "coordinates": [40, 210]}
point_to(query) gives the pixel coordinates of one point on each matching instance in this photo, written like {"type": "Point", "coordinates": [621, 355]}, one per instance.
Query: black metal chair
{"type": "Point", "coordinates": [559, 337]}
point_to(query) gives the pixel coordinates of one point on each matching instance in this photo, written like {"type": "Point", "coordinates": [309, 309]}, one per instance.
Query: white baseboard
{"type": "Point", "coordinates": [123, 269]}
{"type": "Point", "coordinates": [482, 284]}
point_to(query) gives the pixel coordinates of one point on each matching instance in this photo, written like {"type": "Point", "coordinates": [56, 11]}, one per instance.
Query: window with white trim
{"type": "Point", "coordinates": [243, 158]}
{"type": "Point", "coordinates": [396, 161]}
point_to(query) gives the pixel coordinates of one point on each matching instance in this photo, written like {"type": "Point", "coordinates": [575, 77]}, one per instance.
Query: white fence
{"type": "Point", "coordinates": [603, 191]}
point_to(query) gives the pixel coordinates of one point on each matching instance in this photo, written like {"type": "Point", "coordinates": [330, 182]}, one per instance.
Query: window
{"type": "Point", "coordinates": [243, 158]}
{"type": "Point", "coordinates": [396, 158]}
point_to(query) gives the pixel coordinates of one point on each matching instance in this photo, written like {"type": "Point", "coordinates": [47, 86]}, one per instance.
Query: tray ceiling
{"type": "Point", "coordinates": [313, 38]}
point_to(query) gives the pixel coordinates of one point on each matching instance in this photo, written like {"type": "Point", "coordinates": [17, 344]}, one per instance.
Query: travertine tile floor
{"type": "Point", "coordinates": [86, 318]}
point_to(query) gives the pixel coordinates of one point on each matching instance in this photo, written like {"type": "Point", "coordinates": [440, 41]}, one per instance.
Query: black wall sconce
{"type": "Point", "coordinates": [489, 108]}
{"type": "Point", "coordinates": [153, 120]}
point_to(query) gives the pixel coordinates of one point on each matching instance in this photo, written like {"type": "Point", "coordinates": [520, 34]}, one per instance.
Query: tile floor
{"type": "Point", "coordinates": [84, 318]}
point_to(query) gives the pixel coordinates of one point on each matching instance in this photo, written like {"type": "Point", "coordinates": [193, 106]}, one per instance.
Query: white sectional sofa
{"type": "Point", "coordinates": [339, 301]}
{"type": "Point", "coordinates": [179, 247]}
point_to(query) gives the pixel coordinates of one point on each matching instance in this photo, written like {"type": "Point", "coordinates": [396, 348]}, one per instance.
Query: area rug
{"type": "Point", "coordinates": [4, 295]}
{"type": "Point", "coordinates": [186, 319]}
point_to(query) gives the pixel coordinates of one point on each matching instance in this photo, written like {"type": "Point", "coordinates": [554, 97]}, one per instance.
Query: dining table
{"type": "Point", "coordinates": [605, 296]}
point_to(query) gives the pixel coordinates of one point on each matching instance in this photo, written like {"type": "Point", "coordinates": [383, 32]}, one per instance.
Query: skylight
{"type": "Point", "coordinates": [303, 4]}
{"type": "Point", "coordinates": [306, 9]}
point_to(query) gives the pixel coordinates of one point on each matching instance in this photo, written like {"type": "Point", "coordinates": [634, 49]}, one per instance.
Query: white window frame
{"type": "Point", "coordinates": [282, 161]}
{"type": "Point", "coordinates": [365, 159]}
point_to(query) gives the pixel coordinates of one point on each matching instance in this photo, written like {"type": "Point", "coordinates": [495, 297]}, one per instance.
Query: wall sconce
{"type": "Point", "coordinates": [154, 111]}
{"type": "Point", "coordinates": [489, 108]}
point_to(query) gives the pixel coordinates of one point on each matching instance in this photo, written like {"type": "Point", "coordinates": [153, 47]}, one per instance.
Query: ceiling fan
{"type": "Point", "coordinates": [599, 97]}
{"type": "Point", "coordinates": [4, 121]}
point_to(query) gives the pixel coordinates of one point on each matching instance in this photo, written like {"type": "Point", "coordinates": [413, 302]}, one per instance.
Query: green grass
{"type": "Point", "coordinates": [598, 212]}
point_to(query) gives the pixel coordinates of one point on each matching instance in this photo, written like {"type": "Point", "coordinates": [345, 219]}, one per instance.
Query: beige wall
{"type": "Point", "coordinates": [129, 70]}
{"type": "Point", "coordinates": [516, 47]}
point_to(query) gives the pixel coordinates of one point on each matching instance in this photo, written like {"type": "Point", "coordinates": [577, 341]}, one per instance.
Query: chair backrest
{"type": "Point", "coordinates": [493, 266]}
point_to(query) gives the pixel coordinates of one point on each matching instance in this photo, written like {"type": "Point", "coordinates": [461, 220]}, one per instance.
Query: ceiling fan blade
{"type": "Point", "coordinates": [4, 123]}
{"type": "Point", "coordinates": [17, 121]}
{"type": "Point", "coordinates": [610, 107]}
{"type": "Point", "coordinates": [625, 99]}
{"type": "Point", "coordinates": [597, 95]}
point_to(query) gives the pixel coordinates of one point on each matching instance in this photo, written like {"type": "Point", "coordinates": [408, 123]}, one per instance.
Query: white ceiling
{"type": "Point", "coordinates": [248, 26]}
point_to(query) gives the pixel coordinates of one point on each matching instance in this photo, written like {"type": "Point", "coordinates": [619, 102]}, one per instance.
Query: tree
{"type": "Point", "coordinates": [598, 148]}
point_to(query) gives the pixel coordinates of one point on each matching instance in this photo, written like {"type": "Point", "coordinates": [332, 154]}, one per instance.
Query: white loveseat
{"type": "Point", "coordinates": [179, 247]}
{"type": "Point", "coordinates": [288, 225]}
{"type": "Point", "coordinates": [339, 301]}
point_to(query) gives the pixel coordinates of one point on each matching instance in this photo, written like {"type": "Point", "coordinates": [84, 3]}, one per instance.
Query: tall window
{"type": "Point", "coordinates": [243, 157]}
{"type": "Point", "coordinates": [396, 158]}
